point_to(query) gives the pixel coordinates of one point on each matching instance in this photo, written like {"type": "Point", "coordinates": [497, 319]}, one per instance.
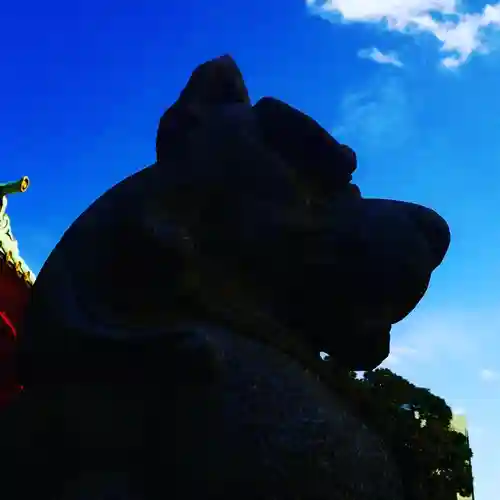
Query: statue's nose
{"type": "Point", "coordinates": [434, 228]}
{"type": "Point", "coordinates": [425, 253]}
{"type": "Point", "coordinates": [405, 243]}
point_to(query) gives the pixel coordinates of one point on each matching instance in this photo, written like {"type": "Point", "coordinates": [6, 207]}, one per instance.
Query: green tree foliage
{"type": "Point", "coordinates": [434, 459]}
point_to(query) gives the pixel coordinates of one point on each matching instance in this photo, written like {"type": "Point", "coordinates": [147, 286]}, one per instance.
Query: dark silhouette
{"type": "Point", "coordinates": [253, 251]}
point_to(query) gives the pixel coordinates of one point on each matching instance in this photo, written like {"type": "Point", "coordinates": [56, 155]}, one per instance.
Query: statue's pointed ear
{"type": "Point", "coordinates": [307, 147]}
{"type": "Point", "coordinates": [215, 83]}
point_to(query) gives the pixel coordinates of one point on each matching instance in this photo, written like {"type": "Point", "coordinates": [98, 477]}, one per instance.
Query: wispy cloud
{"type": "Point", "coordinates": [370, 116]}
{"type": "Point", "coordinates": [426, 341]}
{"type": "Point", "coordinates": [459, 33]}
{"type": "Point", "coordinates": [400, 354]}
{"type": "Point", "coordinates": [489, 375]}
{"type": "Point", "coordinates": [377, 56]}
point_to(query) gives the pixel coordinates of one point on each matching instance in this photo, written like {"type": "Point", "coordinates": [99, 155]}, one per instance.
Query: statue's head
{"type": "Point", "coordinates": [255, 206]}
{"type": "Point", "coordinates": [266, 197]}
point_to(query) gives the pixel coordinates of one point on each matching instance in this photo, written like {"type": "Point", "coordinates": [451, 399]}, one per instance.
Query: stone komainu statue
{"type": "Point", "coordinates": [167, 332]}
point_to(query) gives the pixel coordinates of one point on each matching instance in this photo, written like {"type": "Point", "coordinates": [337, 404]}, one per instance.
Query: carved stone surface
{"type": "Point", "coordinates": [221, 415]}
{"type": "Point", "coordinates": [247, 229]}
{"type": "Point", "coordinates": [247, 208]}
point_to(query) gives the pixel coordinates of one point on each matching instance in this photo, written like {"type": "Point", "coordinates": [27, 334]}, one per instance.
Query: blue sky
{"type": "Point", "coordinates": [412, 85]}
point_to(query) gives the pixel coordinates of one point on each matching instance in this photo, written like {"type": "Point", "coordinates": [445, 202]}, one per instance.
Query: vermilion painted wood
{"type": "Point", "coordinates": [14, 296]}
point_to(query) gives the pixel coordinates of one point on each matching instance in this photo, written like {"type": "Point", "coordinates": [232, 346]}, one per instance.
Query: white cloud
{"type": "Point", "coordinates": [489, 375]}
{"type": "Point", "coordinates": [368, 117]}
{"type": "Point", "coordinates": [460, 34]}
{"type": "Point", "coordinates": [400, 354]}
{"type": "Point", "coordinates": [426, 340]}
{"type": "Point", "coordinates": [376, 55]}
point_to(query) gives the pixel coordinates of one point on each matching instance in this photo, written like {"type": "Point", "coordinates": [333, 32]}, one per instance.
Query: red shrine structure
{"type": "Point", "coordinates": [16, 280]}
